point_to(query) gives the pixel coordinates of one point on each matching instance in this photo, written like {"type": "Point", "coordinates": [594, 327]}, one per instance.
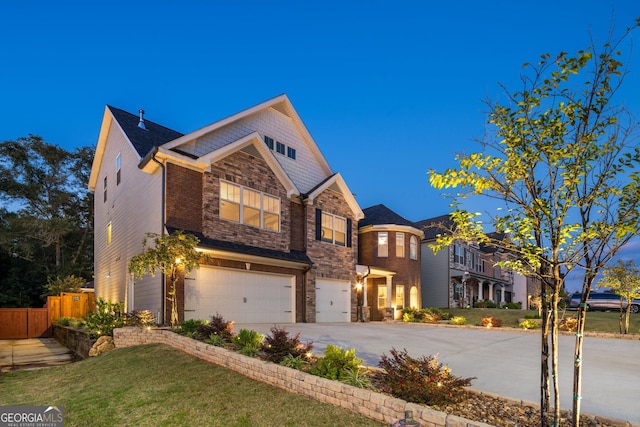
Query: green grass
{"type": "Point", "coordinates": [156, 385]}
{"type": "Point", "coordinates": [596, 320]}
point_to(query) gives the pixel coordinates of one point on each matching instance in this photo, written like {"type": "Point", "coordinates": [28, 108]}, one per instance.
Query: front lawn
{"type": "Point", "coordinates": [155, 385]}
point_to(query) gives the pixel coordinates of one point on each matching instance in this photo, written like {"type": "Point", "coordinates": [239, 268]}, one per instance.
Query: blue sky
{"type": "Point", "coordinates": [388, 89]}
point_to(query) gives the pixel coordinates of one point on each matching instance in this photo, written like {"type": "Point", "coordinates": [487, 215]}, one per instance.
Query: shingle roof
{"type": "Point", "coordinates": [143, 140]}
{"type": "Point", "coordinates": [208, 243]}
{"type": "Point", "coordinates": [430, 226]}
{"type": "Point", "coordinates": [380, 214]}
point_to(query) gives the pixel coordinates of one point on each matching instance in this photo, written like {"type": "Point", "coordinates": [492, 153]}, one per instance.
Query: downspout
{"type": "Point", "coordinates": [306, 270]}
{"type": "Point", "coordinates": [162, 228]}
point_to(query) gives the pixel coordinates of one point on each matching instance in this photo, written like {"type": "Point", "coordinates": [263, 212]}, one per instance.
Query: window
{"type": "Point", "coordinates": [249, 207]}
{"type": "Point", "coordinates": [399, 245]}
{"type": "Point", "coordinates": [269, 142]}
{"type": "Point", "coordinates": [479, 264]}
{"type": "Point", "coordinates": [382, 296]}
{"type": "Point", "coordinates": [383, 244]}
{"type": "Point", "coordinates": [413, 297]}
{"type": "Point", "coordinates": [118, 168]}
{"type": "Point", "coordinates": [399, 297]}
{"type": "Point", "coordinates": [291, 153]}
{"type": "Point", "coordinates": [279, 147]}
{"type": "Point", "coordinates": [105, 189]}
{"type": "Point", "coordinates": [334, 229]}
{"type": "Point", "coordinates": [458, 254]}
{"type": "Point", "coordinates": [413, 247]}
{"type": "Point", "coordinates": [109, 233]}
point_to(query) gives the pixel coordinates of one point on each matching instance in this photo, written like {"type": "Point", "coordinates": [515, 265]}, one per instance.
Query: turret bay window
{"type": "Point", "coordinates": [400, 245]}
{"type": "Point", "coordinates": [383, 244]}
{"type": "Point", "coordinates": [250, 207]}
{"type": "Point", "coordinates": [413, 247]}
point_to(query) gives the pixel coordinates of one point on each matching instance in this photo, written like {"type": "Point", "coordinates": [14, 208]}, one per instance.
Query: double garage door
{"type": "Point", "coordinates": [241, 296]}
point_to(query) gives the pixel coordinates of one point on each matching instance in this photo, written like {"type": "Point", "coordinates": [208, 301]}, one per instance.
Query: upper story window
{"type": "Point", "coordinates": [109, 233]}
{"type": "Point", "coordinates": [399, 245]}
{"type": "Point", "coordinates": [334, 229]}
{"type": "Point", "coordinates": [250, 207]}
{"type": "Point", "coordinates": [458, 254]}
{"type": "Point", "coordinates": [413, 247]}
{"type": "Point", "coordinates": [383, 244]}
{"type": "Point", "coordinates": [104, 189]}
{"type": "Point", "coordinates": [291, 153]}
{"type": "Point", "coordinates": [118, 168]}
{"type": "Point", "coordinates": [279, 147]}
{"type": "Point", "coordinates": [479, 264]}
{"type": "Point", "coordinates": [268, 141]}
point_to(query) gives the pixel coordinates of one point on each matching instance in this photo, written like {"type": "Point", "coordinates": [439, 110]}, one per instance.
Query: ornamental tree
{"type": "Point", "coordinates": [170, 254]}
{"type": "Point", "coordinates": [560, 162]}
{"type": "Point", "coordinates": [624, 279]}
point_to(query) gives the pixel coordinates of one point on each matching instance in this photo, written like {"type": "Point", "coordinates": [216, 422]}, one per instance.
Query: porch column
{"type": "Point", "coordinates": [389, 290]}
{"type": "Point", "coordinates": [491, 298]}
{"type": "Point", "coordinates": [502, 296]}
{"type": "Point", "coordinates": [364, 292]}
{"type": "Point", "coordinates": [480, 291]}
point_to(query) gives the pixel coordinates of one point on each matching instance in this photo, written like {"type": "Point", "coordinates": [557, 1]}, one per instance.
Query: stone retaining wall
{"type": "Point", "coordinates": [373, 405]}
{"type": "Point", "coordinates": [74, 339]}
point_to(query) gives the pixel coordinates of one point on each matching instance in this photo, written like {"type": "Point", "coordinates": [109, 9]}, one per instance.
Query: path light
{"type": "Point", "coordinates": [407, 420]}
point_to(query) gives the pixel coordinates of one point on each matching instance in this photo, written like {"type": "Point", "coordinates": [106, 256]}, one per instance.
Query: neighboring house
{"type": "Point", "coordinates": [464, 273]}
{"type": "Point", "coordinates": [389, 258]}
{"type": "Point", "coordinates": [279, 225]}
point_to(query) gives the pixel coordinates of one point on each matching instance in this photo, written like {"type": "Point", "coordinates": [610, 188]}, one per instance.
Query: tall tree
{"type": "Point", "coordinates": [47, 223]}
{"type": "Point", "coordinates": [561, 164]}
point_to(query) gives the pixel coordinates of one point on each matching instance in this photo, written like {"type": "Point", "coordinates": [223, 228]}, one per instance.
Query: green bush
{"type": "Point", "coordinates": [529, 324]}
{"type": "Point", "coordinates": [217, 326]}
{"type": "Point", "coordinates": [485, 304]}
{"type": "Point", "coordinates": [421, 380]}
{"type": "Point", "coordinates": [458, 320]}
{"type": "Point", "coordinates": [357, 378]}
{"type": "Point", "coordinates": [64, 321]}
{"type": "Point", "coordinates": [216, 340]}
{"type": "Point", "coordinates": [106, 317]}
{"type": "Point", "coordinates": [336, 364]}
{"type": "Point", "coordinates": [294, 362]}
{"type": "Point", "coordinates": [188, 327]}
{"type": "Point", "coordinates": [248, 342]}
{"type": "Point", "coordinates": [278, 345]}
{"type": "Point", "coordinates": [409, 315]}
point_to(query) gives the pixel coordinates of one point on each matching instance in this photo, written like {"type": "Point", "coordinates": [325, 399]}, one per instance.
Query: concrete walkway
{"type": "Point", "coordinates": [33, 353]}
{"type": "Point", "coordinates": [505, 362]}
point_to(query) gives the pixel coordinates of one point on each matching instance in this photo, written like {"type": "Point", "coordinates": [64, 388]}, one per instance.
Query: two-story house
{"type": "Point", "coordinates": [464, 273]}
{"type": "Point", "coordinates": [389, 258]}
{"type": "Point", "coordinates": [279, 226]}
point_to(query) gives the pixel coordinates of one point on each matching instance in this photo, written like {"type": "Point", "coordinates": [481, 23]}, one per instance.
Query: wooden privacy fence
{"type": "Point", "coordinates": [18, 323]}
{"type": "Point", "coordinates": [70, 304]}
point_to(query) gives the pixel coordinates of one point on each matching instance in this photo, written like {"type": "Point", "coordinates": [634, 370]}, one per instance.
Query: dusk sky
{"type": "Point", "coordinates": [388, 89]}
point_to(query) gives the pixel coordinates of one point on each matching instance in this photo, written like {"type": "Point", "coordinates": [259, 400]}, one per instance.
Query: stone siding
{"type": "Point", "coordinates": [377, 406]}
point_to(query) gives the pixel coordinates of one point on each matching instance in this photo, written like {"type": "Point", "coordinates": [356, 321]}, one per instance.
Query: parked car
{"type": "Point", "coordinates": [603, 301]}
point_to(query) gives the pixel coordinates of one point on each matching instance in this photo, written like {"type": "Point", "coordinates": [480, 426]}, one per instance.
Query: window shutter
{"type": "Point", "coordinates": [318, 224]}
{"type": "Point", "coordinates": [348, 232]}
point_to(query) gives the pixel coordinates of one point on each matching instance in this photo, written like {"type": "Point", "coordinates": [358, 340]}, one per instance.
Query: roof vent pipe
{"type": "Point", "coordinates": [141, 122]}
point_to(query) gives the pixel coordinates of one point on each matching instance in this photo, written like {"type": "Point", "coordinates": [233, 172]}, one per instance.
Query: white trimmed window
{"type": "Point", "coordinates": [118, 168]}
{"type": "Point", "coordinates": [334, 229]}
{"type": "Point", "coordinates": [250, 207]}
{"type": "Point", "coordinates": [399, 245]}
{"type": "Point", "coordinates": [382, 296]}
{"type": "Point", "coordinates": [383, 244]}
{"type": "Point", "coordinates": [413, 247]}
{"type": "Point", "coordinates": [399, 297]}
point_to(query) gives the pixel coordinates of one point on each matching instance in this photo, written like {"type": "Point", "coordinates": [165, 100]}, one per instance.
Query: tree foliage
{"type": "Point", "coordinates": [561, 163]}
{"type": "Point", "coordinates": [170, 254]}
{"type": "Point", "coordinates": [624, 279]}
{"type": "Point", "coordinates": [46, 225]}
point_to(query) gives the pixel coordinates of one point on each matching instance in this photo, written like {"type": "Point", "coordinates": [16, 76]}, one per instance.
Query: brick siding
{"type": "Point", "coordinates": [184, 198]}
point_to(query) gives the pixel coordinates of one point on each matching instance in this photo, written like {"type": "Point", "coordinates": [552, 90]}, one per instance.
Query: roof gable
{"type": "Point", "coordinates": [336, 183]}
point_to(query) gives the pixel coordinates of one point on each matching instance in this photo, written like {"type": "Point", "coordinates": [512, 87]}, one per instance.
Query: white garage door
{"type": "Point", "coordinates": [333, 301]}
{"type": "Point", "coordinates": [241, 296]}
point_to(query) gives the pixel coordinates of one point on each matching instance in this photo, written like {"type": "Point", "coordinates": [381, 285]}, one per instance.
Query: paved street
{"type": "Point", "coordinates": [505, 363]}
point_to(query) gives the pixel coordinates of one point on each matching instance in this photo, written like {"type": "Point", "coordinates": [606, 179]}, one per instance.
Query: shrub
{"type": "Point", "coordinates": [513, 305]}
{"type": "Point", "coordinates": [278, 345]}
{"type": "Point", "coordinates": [529, 324]}
{"type": "Point", "coordinates": [569, 323]}
{"type": "Point", "coordinates": [409, 314]}
{"type": "Point", "coordinates": [485, 304]}
{"type": "Point", "coordinates": [491, 322]}
{"type": "Point", "coordinates": [421, 380]}
{"type": "Point", "coordinates": [106, 317]}
{"type": "Point", "coordinates": [458, 320]}
{"type": "Point", "coordinates": [294, 362]}
{"type": "Point", "coordinates": [64, 321]}
{"type": "Point", "coordinates": [357, 378]}
{"type": "Point", "coordinates": [248, 342]}
{"type": "Point", "coordinates": [141, 318]}
{"type": "Point", "coordinates": [217, 326]}
{"type": "Point", "coordinates": [216, 340]}
{"type": "Point", "coordinates": [188, 327]}
{"type": "Point", "coordinates": [336, 364]}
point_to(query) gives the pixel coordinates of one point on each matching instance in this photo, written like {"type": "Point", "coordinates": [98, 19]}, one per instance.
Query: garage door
{"type": "Point", "coordinates": [241, 296]}
{"type": "Point", "coordinates": [333, 301]}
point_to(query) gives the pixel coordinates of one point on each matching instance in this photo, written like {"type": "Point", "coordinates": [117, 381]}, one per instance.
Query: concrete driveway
{"type": "Point", "coordinates": [506, 363]}
{"type": "Point", "coordinates": [33, 353]}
